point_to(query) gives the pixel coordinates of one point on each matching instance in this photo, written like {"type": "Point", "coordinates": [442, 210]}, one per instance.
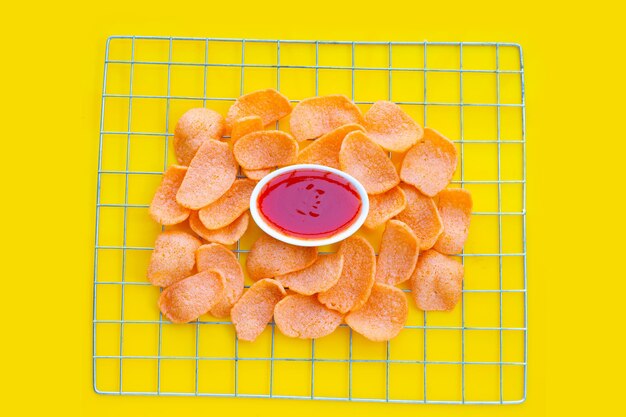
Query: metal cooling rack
{"type": "Point", "coordinates": [114, 364]}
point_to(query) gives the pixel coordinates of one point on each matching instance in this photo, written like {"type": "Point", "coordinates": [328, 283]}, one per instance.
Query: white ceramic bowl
{"type": "Point", "coordinates": [267, 228]}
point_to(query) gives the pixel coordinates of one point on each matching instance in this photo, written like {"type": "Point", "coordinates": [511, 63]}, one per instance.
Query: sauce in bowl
{"type": "Point", "coordinates": [309, 203]}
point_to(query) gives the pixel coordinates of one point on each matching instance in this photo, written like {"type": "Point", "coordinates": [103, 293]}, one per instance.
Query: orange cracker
{"type": "Point", "coordinates": [211, 173]}
{"type": "Point", "coordinates": [269, 105]}
{"type": "Point", "coordinates": [223, 260]}
{"type": "Point", "coordinates": [173, 258]}
{"type": "Point", "coordinates": [422, 216]}
{"type": "Point", "coordinates": [383, 316]}
{"type": "Point", "coordinates": [164, 209]}
{"type": "Point", "coordinates": [315, 116]}
{"type": "Point", "coordinates": [367, 162]}
{"type": "Point", "coordinates": [384, 207]}
{"type": "Point", "coordinates": [228, 207]}
{"type": "Point", "coordinates": [357, 276]}
{"type": "Point", "coordinates": [305, 317]}
{"type": "Point", "coordinates": [270, 257]}
{"type": "Point", "coordinates": [325, 150]}
{"type": "Point", "coordinates": [254, 310]}
{"type": "Point", "coordinates": [398, 253]}
{"type": "Point", "coordinates": [455, 209]}
{"type": "Point", "coordinates": [194, 128]}
{"type": "Point", "coordinates": [256, 174]}
{"type": "Point", "coordinates": [227, 235]}
{"type": "Point", "coordinates": [266, 149]}
{"type": "Point", "coordinates": [430, 164]}
{"type": "Point", "coordinates": [437, 281]}
{"type": "Point", "coordinates": [192, 297]}
{"type": "Point", "coordinates": [390, 127]}
{"type": "Point", "coordinates": [320, 276]}
{"type": "Point", "coordinates": [244, 126]}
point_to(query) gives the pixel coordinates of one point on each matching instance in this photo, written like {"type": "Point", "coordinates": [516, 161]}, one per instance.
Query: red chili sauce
{"type": "Point", "coordinates": [309, 203]}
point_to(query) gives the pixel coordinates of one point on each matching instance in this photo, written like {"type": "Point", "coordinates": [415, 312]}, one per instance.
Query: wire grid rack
{"type": "Point", "coordinates": [473, 92]}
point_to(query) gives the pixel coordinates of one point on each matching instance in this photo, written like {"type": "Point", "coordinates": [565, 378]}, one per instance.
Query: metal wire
{"type": "Point", "coordinates": [427, 361]}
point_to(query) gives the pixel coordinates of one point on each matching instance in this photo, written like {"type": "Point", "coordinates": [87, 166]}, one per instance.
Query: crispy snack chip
{"type": "Point", "coordinates": [455, 209]}
{"type": "Point", "coordinates": [422, 216]}
{"type": "Point", "coordinates": [318, 277]}
{"type": "Point", "coordinates": [218, 258]}
{"type": "Point", "coordinates": [270, 257]}
{"type": "Point", "coordinates": [367, 162]}
{"type": "Point", "coordinates": [430, 164]}
{"type": "Point", "coordinates": [244, 126]}
{"type": "Point", "coordinates": [384, 207]}
{"type": "Point", "coordinates": [173, 258]}
{"type": "Point", "coordinates": [190, 298]}
{"type": "Point", "coordinates": [305, 317]}
{"type": "Point", "coordinates": [227, 235]}
{"type": "Point", "coordinates": [255, 308]}
{"type": "Point", "coordinates": [268, 104]}
{"type": "Point", "coordinates": [357, 276]}
{"type": "Point", "coordinates": [399, 249]}
{"type": "Point", "coordinates": [256, 174]}
{"type": "Point", "coordinates": [164, 209]}
{"type": "Point", "coordinates": [241, 128]}
{"type": "Point", "coordinates": [211, 173]}
{"type": "Point", "coordinates": [266, 149]}
{"type": "Point", "coordinates": [194, 128]}
{"type": "Point", "coordinates": [436, 282]}
{"type": "Point", "coordinates": [315, 116]}
{"type": "Point", "coordinates": [325, 150]}
{"type": "Point", "coordinates": [390, 127]}
{"type": "Point", "coordinates": [228, 207]}
{"type": "Point", "coordinates": [383, 316]}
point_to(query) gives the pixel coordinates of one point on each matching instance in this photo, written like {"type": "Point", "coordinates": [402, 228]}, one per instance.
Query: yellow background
{"type": "Point", "coordinates": [51, 82]}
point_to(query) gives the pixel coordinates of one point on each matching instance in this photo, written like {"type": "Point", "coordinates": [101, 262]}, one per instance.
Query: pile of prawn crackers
{"type": "Point", "coordinates": [308, 294]}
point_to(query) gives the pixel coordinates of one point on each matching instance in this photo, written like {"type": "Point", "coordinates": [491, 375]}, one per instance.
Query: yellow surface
{"type": "Point", "coordinates": [51, 84]}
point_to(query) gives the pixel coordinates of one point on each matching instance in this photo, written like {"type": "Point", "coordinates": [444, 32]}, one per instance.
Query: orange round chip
{"type": "Point", "coordinates": [422, 216]}
{"type": "Point", "coordinates": [255, 308]}
{"type": "Point", "coordinates": [268, 104]}
{"type": "Point", "coordinates": [190, 298]}
{"type": "Point", "coordinates": [390, 127]}
{"type": "Point", "coordinates": [325, 150]}
{"type": "Point", "coordinates": [173, 258]}
{"type": "Point", "coordinates": [266, 149]}
{"type": "Point", "coordinates": [455, 209]}
{"type": "Point", "coordinates": [312, 117]}
{"type": "Point", "coordinates": [227, 235]}
{"type": "Point", "coordinates": [437, 281]}
{"type": "Point", "coordinates": [320, 276]}
{"type": "Point", "coordinates": [384, 207]}
{"type": "Point", "coordinates": [357, 276]}
{"type": "Point", "coordinates": [256, 174]}
{"type": "Point", "coordinates": [305, 317]}
{"type": "Point", "coordinates": [211, 173]}
{"type": "Point", "coordinates": [228, 207]}
{"type": "Point", "coordinates": [164, 209]}
{"type": "Point", "coordinates": [383, 316]}
{"type": "Point", "coordinates": [270, 257]}
{"type": "Point", "coordinates": [218, 258]}
{"type": "Point", "coordinates": [194, 128]}
{"type": "Point", "coordinates": [244, 126]}
{"type": "Point", "coordinates": [367, 162]}
{"type": "Point", "coordinates": [398, 253]}
{"type": "Point", "coordinates": [430, 164]}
